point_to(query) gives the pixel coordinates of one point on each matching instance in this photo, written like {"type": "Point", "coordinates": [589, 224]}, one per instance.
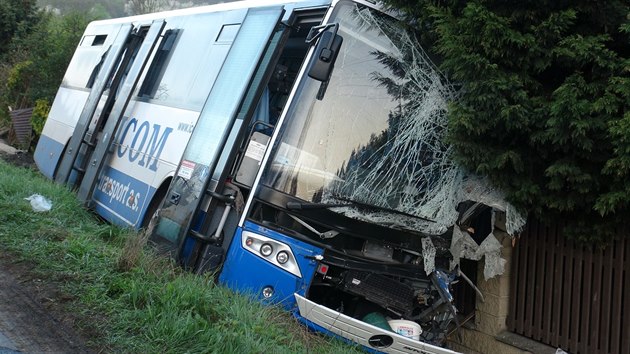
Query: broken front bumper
{"type": "Point", "coordinates": [360, 332]}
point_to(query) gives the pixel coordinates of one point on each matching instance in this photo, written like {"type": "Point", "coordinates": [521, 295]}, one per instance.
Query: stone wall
{"type": "Point", "coordinates": [488, 333]}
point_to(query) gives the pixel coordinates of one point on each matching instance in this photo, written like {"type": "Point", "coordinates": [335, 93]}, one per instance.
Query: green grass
{"type": "Point", "coordinates": [150, 306]}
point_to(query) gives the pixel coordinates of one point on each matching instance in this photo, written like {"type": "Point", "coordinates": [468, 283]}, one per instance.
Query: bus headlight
{"type": "Point", "coordinates": [282, 257]}
{"type": "Point", "coordinates": [266, 249]}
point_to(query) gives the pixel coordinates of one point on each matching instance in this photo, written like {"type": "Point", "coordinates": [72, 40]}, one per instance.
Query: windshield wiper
{"type": "Point", "coordinates": [322, 235]}
{"type": "Point", "coordinates": [377, 207]}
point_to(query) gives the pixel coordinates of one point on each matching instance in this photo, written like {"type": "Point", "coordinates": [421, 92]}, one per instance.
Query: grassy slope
{"type": "Point", "coordinates": [149, 307]}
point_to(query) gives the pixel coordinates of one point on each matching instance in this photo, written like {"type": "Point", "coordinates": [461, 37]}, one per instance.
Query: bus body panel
{"type": "Point", "coordinates": [120, 198]}
{"type": "Point", "coordinates": [153, 134]}
{"type": "Point", "coordinates": [147, 148]}
{"type": "Point", "coordinates": [289, 6]}
{"type": "Point", "coordinates": [249, 272]}
{"type": "Point", "coordinates": [58, 129]}
{"type": "Point", "coordinates": [73, 93]}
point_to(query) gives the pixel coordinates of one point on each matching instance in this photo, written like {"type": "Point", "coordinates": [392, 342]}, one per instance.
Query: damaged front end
{"type": "Point", "coordinates": [361, 170]}
{"type": "Point", "coordinates": [383, 292]}
{"type": "Point", "coordinates": [415, 306]}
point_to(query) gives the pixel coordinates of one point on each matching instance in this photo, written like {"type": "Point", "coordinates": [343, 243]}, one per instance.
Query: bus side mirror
{"type": "Point", "coordinates": [326, 52]}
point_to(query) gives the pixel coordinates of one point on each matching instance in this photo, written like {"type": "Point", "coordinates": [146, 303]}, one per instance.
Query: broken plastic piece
{"type": "Point", "coordinates": [479, 190]}
{"type": "Point", "coordinates": [39, 203]}
{"type": "Point", "coordinates": [428, 254]}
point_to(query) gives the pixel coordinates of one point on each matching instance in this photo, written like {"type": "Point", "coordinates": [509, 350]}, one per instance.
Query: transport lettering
{"type": "Point", "coordinates": [119, 192]}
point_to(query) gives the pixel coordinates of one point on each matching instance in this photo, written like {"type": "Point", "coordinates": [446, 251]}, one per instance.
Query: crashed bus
{"type": "Point", "coordinates": [293, 148]}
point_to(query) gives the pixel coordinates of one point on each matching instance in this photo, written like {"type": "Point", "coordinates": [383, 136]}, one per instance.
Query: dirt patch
{"type": "Point", "coordinates": [34, 317]}
{"type": "Point", "coordinates": [20, 159]}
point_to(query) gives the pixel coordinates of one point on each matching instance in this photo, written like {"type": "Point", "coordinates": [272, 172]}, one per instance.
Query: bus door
{"type": "Point", "coordinates": [219, 126]}
{"type": "Point", "coordinates": [118, 73]}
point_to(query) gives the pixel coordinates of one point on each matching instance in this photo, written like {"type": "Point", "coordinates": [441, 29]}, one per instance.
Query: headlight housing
{"type": "Point", "coordinates": [272, 251]}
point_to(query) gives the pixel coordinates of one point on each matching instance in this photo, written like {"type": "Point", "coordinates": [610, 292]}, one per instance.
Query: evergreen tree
{"type": "Point", "coordinates": [544, 110]}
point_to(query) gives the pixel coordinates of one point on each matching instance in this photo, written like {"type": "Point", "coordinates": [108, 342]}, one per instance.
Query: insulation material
{"type": "Point", "coordinates": [428, 255]}
{"type": "Point", "coordinates": [412, 171]}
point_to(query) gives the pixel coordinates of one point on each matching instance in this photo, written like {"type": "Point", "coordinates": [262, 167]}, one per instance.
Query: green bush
{"type": "Point", "coordinates": [35, 62]}
{"type": "Point", "coordinates": [18, 84]}
{"type": "Point", "coordinates": [40, 113]}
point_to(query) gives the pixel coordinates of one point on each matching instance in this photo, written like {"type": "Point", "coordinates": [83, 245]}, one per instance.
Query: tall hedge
{"type": "Point", "coordinates": [15, 16]}
{"type": "Point", "coordinates": [544, 110]}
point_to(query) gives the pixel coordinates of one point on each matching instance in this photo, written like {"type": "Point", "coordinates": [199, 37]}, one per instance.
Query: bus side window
{"type": "Point", "coordinates": [151, 82]}
{"type": "Point", "coordinates": [271, 101]}
{"type": "Point", "coordinates": [279, 86]}
{"type": "Point", "coordinates": [95, 41]}
{"type": "Point", "coordinates": [96, 70]}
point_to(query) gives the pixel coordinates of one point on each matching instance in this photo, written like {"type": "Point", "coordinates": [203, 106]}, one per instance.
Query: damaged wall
{"type": "Point", "coordinates": [485, 335]}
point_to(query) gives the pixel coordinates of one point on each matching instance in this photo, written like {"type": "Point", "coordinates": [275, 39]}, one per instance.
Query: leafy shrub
{"type": "Point", "coordinates": [40, 113]}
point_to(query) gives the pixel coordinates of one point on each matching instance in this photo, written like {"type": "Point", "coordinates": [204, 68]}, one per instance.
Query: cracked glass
{"type": "Point", "coordinates": [376, 137]}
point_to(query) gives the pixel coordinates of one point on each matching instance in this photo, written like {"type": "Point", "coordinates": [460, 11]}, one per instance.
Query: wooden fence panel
{"type": "Point", "coordinates": [557, 290]}
{"type": "Point", "coordinates": [571, 296]}
{"type": "Point", "coordinates": [550, 280]}
{"type": "Point", "coordinates": [625, 326]}
{"type": "Point", "coordinates": [540, 284]}
{"type": "Point", "coordinates": [617, 290]}
{"type": "Point", "coordinates": [586, 301]}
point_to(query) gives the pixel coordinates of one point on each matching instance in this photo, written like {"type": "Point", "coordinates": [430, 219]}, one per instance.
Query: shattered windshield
{"type": "Point", "coordinates": [376, 136]}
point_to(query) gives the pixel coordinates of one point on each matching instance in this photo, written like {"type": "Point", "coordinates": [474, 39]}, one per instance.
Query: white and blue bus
{"type": "Point", "coordinates": [276, 143]}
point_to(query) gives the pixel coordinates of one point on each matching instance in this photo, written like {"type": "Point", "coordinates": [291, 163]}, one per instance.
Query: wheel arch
{"type": "Point", "coordinates": [156, 202]}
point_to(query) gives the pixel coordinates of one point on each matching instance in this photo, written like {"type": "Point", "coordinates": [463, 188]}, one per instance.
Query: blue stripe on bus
{"type": "Point", "coordinates": [47, 155]}
{"type": "Point", "coordinates": [121, 199]}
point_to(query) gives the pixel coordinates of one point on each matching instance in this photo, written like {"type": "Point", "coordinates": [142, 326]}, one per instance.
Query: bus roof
{"type": "Point", "coordinates": [212, 8]}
